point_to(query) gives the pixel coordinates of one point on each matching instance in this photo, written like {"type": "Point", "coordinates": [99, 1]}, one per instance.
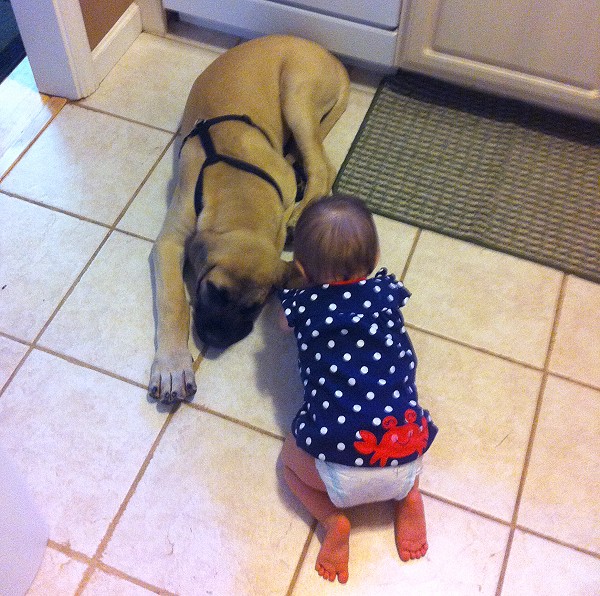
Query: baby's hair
{"type": "Point", "coordinates": [335, 239]}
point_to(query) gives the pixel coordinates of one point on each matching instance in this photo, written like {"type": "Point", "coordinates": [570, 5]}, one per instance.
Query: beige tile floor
{"type": "Point", "coordinates": [140, 500]}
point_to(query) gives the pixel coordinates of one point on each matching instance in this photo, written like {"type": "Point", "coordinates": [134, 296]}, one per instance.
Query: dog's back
{"type": "Point", "coordinates": [254, 74]}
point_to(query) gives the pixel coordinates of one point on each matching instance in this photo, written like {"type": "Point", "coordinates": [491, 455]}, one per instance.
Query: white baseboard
{"type": "Point", "coordinates": [153, 17]}
{"type": "Point", "coordinates": [116, 42]}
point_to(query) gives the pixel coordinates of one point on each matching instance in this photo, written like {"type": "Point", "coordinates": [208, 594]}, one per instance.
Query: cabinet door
{"type": "Point", "coordinates": [544, 51]}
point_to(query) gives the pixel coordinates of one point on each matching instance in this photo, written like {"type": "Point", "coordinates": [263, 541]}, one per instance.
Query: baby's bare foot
{"type": "Point", "coordinates": [411, 534]}
{"type": "Point", "coordinates": [335, 550]}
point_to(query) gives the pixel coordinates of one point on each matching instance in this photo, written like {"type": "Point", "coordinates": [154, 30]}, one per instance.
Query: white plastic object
{"type": "Point", "coordinates": [23, 531]}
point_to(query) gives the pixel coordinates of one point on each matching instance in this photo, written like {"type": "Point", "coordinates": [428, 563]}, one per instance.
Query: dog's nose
{"type": "Point", "coordinates": [215, 341]}
{"type": "Point", "coordinates": [221, 337]}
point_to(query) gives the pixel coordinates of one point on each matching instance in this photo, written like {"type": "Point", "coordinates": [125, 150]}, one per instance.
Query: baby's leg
{"type": "Point", "coordinates": [411, 535]}
{"type": "Point", "coordinates": [304, 481]}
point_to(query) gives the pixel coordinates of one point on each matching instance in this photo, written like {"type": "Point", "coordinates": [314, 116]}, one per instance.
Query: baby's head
{"type": "Point", "coordinates": [335, 239]}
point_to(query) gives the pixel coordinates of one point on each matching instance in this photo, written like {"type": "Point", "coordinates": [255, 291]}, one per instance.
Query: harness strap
{"type": "Point", "coordinates": [202, 131]}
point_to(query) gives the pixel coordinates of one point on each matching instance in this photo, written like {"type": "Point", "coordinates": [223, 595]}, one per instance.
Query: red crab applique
{"type": "Point", "coordinates": [397, 442]}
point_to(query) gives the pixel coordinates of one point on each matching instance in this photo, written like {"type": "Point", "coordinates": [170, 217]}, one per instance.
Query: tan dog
{"type": "Point", "coordinates": [244, 188]}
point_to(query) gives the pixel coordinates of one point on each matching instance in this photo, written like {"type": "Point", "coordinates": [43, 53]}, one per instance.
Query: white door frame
{"type": "Point", "coordinates": [56, 42]}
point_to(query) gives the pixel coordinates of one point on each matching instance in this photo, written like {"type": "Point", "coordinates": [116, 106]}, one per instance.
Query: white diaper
{"type": "Point", "coordinates": [348, 486]}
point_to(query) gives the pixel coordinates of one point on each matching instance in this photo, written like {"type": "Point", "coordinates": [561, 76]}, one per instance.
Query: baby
{"type": "Point", "coordinates": [360, 433]}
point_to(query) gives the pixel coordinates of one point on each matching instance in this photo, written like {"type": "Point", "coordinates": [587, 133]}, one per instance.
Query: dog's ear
{"type": "Point", "coordinates": [288, 275]}
{"type": "Point", "coordinates": [248, 257]}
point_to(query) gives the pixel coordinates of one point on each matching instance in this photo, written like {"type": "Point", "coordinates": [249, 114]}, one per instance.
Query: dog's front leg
{"type": "Point", "coordinates": [172, 376]}
{"type": "Point", "coordinates": [304, 125]}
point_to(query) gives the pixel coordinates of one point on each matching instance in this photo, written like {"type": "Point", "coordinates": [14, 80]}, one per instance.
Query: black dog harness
{"type": "Point", "coordinates": [202, 131]}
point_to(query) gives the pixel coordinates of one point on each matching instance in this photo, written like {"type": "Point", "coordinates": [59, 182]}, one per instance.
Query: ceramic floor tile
{"type": "Point", "coordinates": [108, 321]}
{"type": "Point", "coordinates": [464, 558]}
{"type": "Point", "coordinates": [538, 566]}
{"type": "Point", "coordinates": [560, 498]}
{"type": "Point", "coordinates": [102, 584]}
{"type": "Point", "coordinates": [257, 379]}
{"type": "Point", "coordinates": [211, 512]}
{"type": "Point", "coordinates": [190, 526]}
{"type": "Point", "coordinates": [151, 82]}
{"type": "Point", "coordinates": [87, 163]}
{"type": "Point", "coordinates": [58, 574]}
{"type": "Point", "coordinates": [42, 253]}
{"type": "Point", "coordinates": [24, 113]}
{"type": "Point", "coordinates": [576, 352]}
{"type": "Point", "coordinates": [339, 140]}
{"type": "Point", "coordinates": [11, 353]}
{"type": "Point", "coordinates": [79, 439]}
{"type": "Point", "coordinates": [484, 298]}
{"type": "Point", "coordinates": [146, 213]}
{"type": "Point", "coordinates": [395, 242]}
{"type": "Point", "coordinates": [484, 408]}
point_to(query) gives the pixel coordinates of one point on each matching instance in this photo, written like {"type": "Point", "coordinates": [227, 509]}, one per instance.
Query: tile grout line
{"type": "Point", "coordinates": [194, 405]}
{"type": "Point", "coordinates": [33, 343]}
{"type": "Point", "coordinates": [111, 228]}
{"type": "Point", "coordinates": [134, 195]}
{"type": "Point", "coordinates": [413, 249]}
{"type": "Point", "coordinates": [112, 571]}
{"type": "Point", "coordinates": [78, 216]}
{"type": "Point", "coordinates": [108, 569]}
{"type": "Point", "coordinates": [96, 558]}
{"type": "Point", "coordinates": [506, 523]}
{"type": "Point", "coordinates": [478, 349]}
{"type": "Point", "coordinates": [202, 408]}
{"type": "Point", "coordinates": [119, 117]}
{"type": "Point", "coordinates": [31, 143]}
{"type": "Point", "coordinates": [87, 365]}
{"type": "Point", "coordinates": [72, 214]}
{"type": "Point", "coordinates": [465, 508]}
{"type": "Point", "coordinates": [508, 359]}
{"type": "Point", "coordinates": [538, 407]}
{"type": "Point", "coordinates": [301, 559]}
{"type": "Point", "coordinates": [68, 551]}
{"type": "Point", "coordinates": [200, 357]}
{"type": "Point", "coordinates": [579, 549]}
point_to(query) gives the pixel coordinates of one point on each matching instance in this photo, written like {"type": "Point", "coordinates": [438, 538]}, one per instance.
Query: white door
{"type": "Point", "coordinates": [57, 46]}
{"type": "Point", "coordinates": [542, 51]}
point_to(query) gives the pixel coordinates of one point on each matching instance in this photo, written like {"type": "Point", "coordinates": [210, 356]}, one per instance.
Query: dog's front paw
{"type": "Point", "coordinates": [172, 378]}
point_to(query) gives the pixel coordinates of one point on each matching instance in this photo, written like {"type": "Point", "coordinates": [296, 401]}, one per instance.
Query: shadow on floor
{"type": "Point", "coordinates": [11, 45]}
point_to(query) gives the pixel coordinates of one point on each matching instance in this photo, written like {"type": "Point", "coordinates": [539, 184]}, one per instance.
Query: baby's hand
{"type": "Point", "coordinates": [295, 278]}
{"type": "Point", "coordinates": [282, 321]}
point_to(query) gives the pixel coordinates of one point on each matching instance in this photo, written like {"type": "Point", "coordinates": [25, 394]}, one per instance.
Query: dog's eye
{"type": "Point", "coordinates": [216, 295]}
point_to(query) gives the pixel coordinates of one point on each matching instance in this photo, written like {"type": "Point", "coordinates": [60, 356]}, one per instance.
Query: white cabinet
{"type": "Point", "coordinates": [364, 31]}
{"type": "Point", "coordinates": [543, 51]}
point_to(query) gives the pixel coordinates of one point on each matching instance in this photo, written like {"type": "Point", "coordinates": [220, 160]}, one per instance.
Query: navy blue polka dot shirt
{"type": "Point", "coordinates": [358, 367]}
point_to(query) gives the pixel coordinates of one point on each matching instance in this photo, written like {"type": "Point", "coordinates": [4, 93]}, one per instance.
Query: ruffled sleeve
{"type": "Point", "coordinates": [392, 291]}
{"type": "Point", "coordinates": [288, 302]}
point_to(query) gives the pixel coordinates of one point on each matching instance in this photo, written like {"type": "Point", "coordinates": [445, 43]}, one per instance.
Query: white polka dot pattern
{"type": "Point", "coordinates": [357, 366]}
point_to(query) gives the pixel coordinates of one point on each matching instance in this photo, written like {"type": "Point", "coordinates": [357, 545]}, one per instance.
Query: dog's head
{"type": "Point", "coordinates": [234, 283]}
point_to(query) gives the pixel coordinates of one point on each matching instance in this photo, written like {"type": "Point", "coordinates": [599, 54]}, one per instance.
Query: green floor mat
{"type": "Point", "coordinates": [492, 171]}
